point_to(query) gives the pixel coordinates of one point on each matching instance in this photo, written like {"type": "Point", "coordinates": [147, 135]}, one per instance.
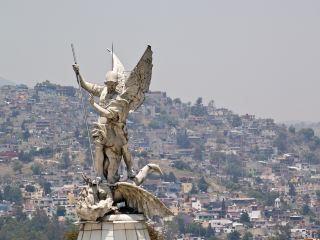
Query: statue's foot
{"type": "Point", "coordinates": [131, 173]}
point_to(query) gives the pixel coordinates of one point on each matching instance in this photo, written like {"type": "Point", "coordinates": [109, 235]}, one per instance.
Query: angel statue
{"type": "Point", "coordinates": [123, 92]}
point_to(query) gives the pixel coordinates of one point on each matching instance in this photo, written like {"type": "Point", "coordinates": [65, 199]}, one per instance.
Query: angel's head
{"type": "Point", "coordinates": [111, 81]}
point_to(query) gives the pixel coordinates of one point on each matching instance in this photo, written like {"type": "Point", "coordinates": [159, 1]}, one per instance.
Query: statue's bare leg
{"type": "Point", "coordinates": [99, 158]}
{"type": "Point", "coordinates": [114, 162]}
{"type": "Point", "coordinates": [127, 157]}
{"type": "Point", "coordinates": [106, 166]}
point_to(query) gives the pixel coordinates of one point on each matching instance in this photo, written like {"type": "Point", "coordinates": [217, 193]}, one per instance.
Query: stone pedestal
{"type": "Point", "coordinates": [115, 227]}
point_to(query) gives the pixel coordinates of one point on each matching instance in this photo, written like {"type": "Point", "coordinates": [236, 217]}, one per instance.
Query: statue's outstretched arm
{"type": "Point", "coordinates": [92, 88]}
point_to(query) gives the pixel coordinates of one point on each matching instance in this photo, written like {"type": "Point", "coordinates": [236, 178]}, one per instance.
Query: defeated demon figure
{"type": "Point", "coordinates": [97, 199]}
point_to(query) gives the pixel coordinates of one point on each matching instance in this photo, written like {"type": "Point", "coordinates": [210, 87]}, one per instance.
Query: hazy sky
{"type": "Point", "coordinates": [257, 57]}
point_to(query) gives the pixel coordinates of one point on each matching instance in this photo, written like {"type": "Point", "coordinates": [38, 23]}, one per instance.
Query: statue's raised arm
{"type": "Point", "coordinates": [92, 88]}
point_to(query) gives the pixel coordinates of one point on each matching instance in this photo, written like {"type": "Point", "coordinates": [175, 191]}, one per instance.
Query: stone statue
{"type": "Point", "coordinates": [123, 92]}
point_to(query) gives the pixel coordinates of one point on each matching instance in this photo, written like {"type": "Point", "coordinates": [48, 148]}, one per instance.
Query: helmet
{"type": "Point", "coordinates": [111, 77]}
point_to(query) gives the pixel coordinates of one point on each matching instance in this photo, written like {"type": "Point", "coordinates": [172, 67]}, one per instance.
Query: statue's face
{"type": "Point", "coordinates": [111, 81]}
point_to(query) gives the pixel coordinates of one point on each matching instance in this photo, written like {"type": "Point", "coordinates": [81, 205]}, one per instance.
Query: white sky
{"type": "Point", "coordinates": [257, 57]}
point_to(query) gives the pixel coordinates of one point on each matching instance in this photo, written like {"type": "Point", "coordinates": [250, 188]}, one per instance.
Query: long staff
{"type": "Point", "coordinates": [85, 113]}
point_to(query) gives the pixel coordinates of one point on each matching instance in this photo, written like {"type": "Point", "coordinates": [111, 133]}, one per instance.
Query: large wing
{"type": "Point", "coordinates": [120, 70]}
{"type": "Point", "coordinates": [140, 200]}
{"type": "Point", "coordinates": [138, 82]}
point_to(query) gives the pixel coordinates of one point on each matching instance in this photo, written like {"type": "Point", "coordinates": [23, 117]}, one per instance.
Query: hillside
{"type": "Point", "coordinates": [4, 81]}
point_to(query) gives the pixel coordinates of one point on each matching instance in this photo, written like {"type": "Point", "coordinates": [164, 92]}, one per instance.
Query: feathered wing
{"type": "Point", "coordinates": [140, 200]}
{"type": "Point", "coordinates": [138, 82]}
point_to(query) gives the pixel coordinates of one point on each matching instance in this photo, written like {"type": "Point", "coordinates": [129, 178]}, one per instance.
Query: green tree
{"type": "Point", "coordinates": [305, 210]}
{"type": "Point", "coordinates": [61, 211]}
{"type": "Point", "coordinates": [236, 121]}
{"type": "Point", "coordinates": [30, 188]}
{"type": "Point", "coordinates": [247, 236]}
{"type": "Point", "coordinates": [181, 165]}
{"type": "Point", "coordinates": [169, 177]}
{"type": "Point", "coordinates": [292, 190]}
{"type": "Point", "coordinates": [25, 157]}
{"type": "Point", "coordinates": [66, 161]}
{"type": "Point", "coordinates": [210, 231]}
{"type": "Point", "coordinates": [244, 218]}
{"type": "Point", "coordinates": [156, 124]}
{"type": "Point", "coordinates": [233, 236]}
{"type": "Point", "coordinates": [182, 139]}
{"type": "Point", "coordinates": [223, 211]}
{"type": "Point", "coordinates": [306, 133]}
{"type": "Point", "coordinates": [318, 194]}
{"type": "Point", "coordinates": [281, 142]}
{"type": "Point", "coordinates": [177, 101]}
{"type": "Point", "coordinates": [46, 187]}
{"type": "Point", "coordinates": [25, 135]}
{"type": "Point", "coordinates": [17, 166]}
{"type": "Point", "coordinates": [198, 109]}
{"type": "Point", "coordinates": [12, 193]}
{"type": "Point", "coordinates": [194, 189]}
{"type": "Point", "coordinates": [198, 153]}
{"type": "Point", "coordinates": [292, 129]}
{"type": "Point", "coordinates": [203, 185]}
{"type": "Point", "coordinates": [36, 168]}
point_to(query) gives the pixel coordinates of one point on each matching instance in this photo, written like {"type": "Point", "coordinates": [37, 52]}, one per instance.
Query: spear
{"type": "Point", "coordinates": [75, 62]}
{"type": "Point", "coordinates": [82, 103]}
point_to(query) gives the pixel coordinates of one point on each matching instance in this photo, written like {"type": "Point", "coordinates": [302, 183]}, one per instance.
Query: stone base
{"type": "Point", "coordinates": [115, 227]}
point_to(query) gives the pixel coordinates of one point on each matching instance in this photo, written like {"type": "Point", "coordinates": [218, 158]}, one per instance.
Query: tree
{"type": "Point", "coordinates": [305, 209]}
{"type": "Point", "coordinates": [66, 161]}
{"type": "Point", "coordinates": [233, 236]}
{"type": "Point", "coordinates": [30, 188]}
{"type": "Point", "coordinates": [25, 157]}
{"type": "Point", "coordinates": [318, 194]}
{"type": "Point", "coordinates": [36, 168]}
{"type": "Point", "coordinates": [177, 101]}
{"type": "Point", "coordinates": [194, 189]}
{"type": "Point", "coordinates": [223, 211]}
{"type": "Point", "coordinates": [203, 185]}
{"type": "Point", "coordinates": [17, 166]}
{"type": "Point", "coordinates": [12, 193]}
{"type": "Point", "coordinates": [306, 133]}
{"type": "Point", "coordinates": [182, 139]}
{"type": "Point", "coordinates": [25, 135]}
{"type": "Point", "coordinates": [236, 121]}
{"type": "Point", "coordinates": [46, 187]}
{"type": "Point", "coordinates": [247, 236]}
{"type": "Point", "coordinates": [210, 231]}
{"type": "Point", "coordinates": [181, 165]}
{"type": "Point", "coordinates": [292, 129]}
{"type": "Point", "coordinates": [198, 109]}
{"type": "Point", "coordinates": [292, 190]}
{"type": "Point", "coordinates": [244, 218]}
{"type": "Point", "coordinates": [156, 124]}
{"type": "Point", "coordinates": [169, 177]}
{"type": "Point", "coordinates": [181, 225]}
{"type": "Point", "coordinates": [281, 142]}
{"type": "Point", "coordinates": [61, 211]}
{"type": "Point", "coordinates": [198, 153]}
